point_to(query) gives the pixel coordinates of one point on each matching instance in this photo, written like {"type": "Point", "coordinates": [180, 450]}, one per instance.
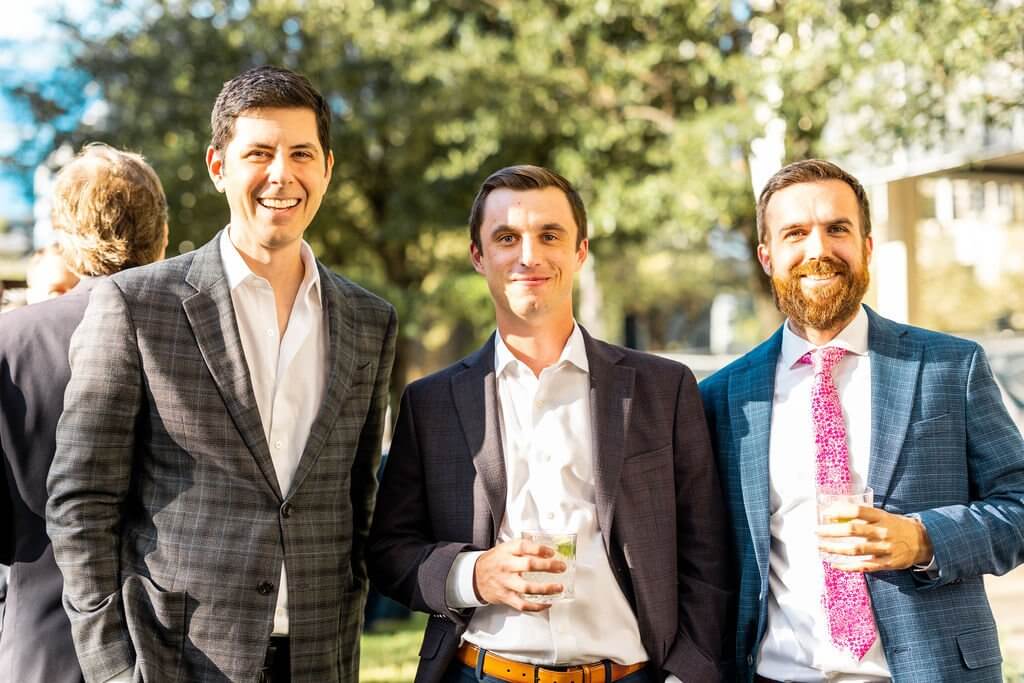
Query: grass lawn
{"type": "Point", "coordinates": [390, 652]}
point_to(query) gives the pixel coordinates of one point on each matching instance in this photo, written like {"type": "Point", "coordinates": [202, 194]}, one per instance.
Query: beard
{"type": "Point", "coordinates": [826, 307]}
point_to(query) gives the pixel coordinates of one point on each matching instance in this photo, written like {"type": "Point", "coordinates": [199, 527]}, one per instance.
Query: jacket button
{"type": "Point", "coordinates": [286, 510]}
{"type": "Point", "coordinates": [265, 588]}
{"type": "Point", "coordinates": [750, 660]}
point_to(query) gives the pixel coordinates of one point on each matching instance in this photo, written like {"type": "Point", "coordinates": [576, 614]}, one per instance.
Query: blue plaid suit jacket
{"type": "Point", "coordinates": [942, 447]}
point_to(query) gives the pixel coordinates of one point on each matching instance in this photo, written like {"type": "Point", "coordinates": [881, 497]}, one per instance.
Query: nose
{"type": "Point", "coordinates": [279, 170]}
{"type": "Point", "coordinates": [528, 251]}
{"type": "Point", "coordinates": [814, 245]}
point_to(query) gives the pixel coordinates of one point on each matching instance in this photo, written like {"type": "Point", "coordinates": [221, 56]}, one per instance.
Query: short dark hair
{"type": "Point", "coordinates": [810, 171]}
{"type": "Point", "coordinates": [267, 87]}
{"type": "Point", "coordinates": [521, 178]}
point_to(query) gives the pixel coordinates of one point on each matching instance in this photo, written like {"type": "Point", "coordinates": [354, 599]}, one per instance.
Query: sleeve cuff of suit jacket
{"type": "Point", "coordinates": [458, 588]}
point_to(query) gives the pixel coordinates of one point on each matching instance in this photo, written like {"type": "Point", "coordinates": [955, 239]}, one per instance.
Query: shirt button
{"type": "Point", "coordinates": [550, 515]}
{"type": "Point", "coordinates": [271, 332]}
{"type": "Point", "coordinates": [265, 588]}
{"type": "Point", "coordinates": [286, 510]}
{"type": "Point", "coordinates": [278, 444]}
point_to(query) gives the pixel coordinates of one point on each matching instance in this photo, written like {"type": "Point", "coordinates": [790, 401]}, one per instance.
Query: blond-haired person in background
{"type": "Point", "coordinates": [110, 214]}
{"type": "Point", "coordinates": [48, 276]}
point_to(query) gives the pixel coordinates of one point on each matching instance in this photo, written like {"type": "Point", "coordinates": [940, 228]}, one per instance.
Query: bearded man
{"type": "Point", "coordinates": [840, 400]}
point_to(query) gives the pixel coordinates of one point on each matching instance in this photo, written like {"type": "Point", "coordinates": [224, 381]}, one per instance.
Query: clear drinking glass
{"type": "Point", "coordinates": [827, 514]}
{"type": "Point", "coordinates": [564, 545]}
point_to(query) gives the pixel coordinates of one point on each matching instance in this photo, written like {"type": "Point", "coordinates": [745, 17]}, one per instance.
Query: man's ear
{"type": "Point", "coordinates": [215, 166]}
{"type": "Point", "coordinates": [581, 253]}
{"type": "Point", "coordinates": [329, 165]}
{"type": "Point", "coordinates": [765, 259]}
{"type": "Point", "coordinates": [476, 257]}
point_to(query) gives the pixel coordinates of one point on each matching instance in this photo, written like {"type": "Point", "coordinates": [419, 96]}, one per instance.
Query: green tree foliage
{"type": "Point", "coordinates": [630, 100]}
{"type": "Point", "coordinates": [649, 106]}
{"type": "Point", "coordinates": [890, 75]}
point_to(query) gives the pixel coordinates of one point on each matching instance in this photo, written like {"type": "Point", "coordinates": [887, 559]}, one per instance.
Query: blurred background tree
{"type": "Point", "coordinates": [649, 106]}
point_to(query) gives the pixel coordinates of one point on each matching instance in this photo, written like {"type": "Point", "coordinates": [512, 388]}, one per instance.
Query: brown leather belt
{"type": "Point", "coordinates": [519, 672]}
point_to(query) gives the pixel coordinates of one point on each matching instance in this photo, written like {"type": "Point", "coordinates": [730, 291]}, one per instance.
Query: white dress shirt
{"type": "Point", "coordinates": [797, 646]}
{"type": "Point", "coordinates": [287, 372]}
{"type": "Point", "coordinates": [299, 359]}
{"type": "Point", "coordinates": [549, 464]}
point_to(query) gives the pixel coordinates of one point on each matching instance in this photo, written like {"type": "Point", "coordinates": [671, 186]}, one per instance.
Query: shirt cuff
{"type": "Point", "coordinates": [122, 677]}
{"type": "Point", "coordinates": [458, 587]}
{"type": "Point", "coordinates": [931, 569]}
{"type": "Point", "coordinates": [671, 678]}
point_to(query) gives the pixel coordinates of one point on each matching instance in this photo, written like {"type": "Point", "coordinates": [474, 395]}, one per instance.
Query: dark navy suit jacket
{"type": "Point", "coordinates": [36, 641]}
{"type": "Point", "coordinates": [658, 502]}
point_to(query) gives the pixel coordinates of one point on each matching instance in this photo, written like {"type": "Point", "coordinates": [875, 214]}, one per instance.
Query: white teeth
{"type": "Point", "coordinates": [278, 203]}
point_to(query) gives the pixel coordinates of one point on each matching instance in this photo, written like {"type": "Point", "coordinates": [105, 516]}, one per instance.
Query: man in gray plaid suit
{"type": "Point", "coordinates": [214, 478]}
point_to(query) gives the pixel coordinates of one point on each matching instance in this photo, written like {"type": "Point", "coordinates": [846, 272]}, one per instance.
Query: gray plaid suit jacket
{"type": "Point", "coordinates": [165, 512]}
{"type": "Point", "coordinates": [659, 505]}
{"type": "Point", "coordinates": [942, 447]}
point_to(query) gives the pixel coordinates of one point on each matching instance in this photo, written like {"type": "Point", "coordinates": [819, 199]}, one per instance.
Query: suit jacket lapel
{"type": "Point", "coordinates": [212, 317]}
{"type": "Point", "coordinates": [750, 405]}
{"type": "Point", "coordinates": [475, 395]}
{"type": "Point", "coordinates": [611, 400]}
{"type": "Point", "coordinates": [895, 364]}
{"type": "Point", "coordinates": [340, 323]}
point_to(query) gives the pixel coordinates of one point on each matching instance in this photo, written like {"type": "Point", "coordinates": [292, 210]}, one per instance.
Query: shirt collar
{"type": "Point", "coordinates": [237, 271]}
{"type": "Point", "coordinates": [574, 352]}
{"type": "Point", "coordinates": [853, 338]}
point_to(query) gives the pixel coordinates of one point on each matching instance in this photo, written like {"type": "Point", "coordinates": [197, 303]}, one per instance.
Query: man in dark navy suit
{"type": "Point", "coordinates": [110, 214]}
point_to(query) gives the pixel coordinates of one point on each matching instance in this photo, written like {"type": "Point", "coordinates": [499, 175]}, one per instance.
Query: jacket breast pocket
{"type": "Point", "coordinates": [935, 451]}
{"type": "Point", "coordinates": [931, 424]}
{"type": "Point", "coordinates": [648, 460]}
{"type": "Point", "coordinates": [646, 504]}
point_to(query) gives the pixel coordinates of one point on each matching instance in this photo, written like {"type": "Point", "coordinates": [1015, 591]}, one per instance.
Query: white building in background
{"type": "Point", "coordinates": [947, 216]}
{"type": "Point", "coordinates": [960, 213]}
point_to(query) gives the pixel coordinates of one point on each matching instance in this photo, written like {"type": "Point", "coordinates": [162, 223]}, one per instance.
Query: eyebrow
{"type": "Point", "coordinates": [842, 220]}
{"type": "Point", "coordinates": [557, 227]}
{"type": "Point", "coordinates": [301, 145]}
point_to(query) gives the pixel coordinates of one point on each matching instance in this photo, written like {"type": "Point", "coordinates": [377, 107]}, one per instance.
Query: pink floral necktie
{"type": "Point", "coordinates": [846, 600]}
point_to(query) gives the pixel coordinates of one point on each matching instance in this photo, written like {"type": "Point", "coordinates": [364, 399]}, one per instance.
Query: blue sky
{"type": "Point", "coordinates": [29, 47]}
{"type": "Point", "coordinates": [13, 203]}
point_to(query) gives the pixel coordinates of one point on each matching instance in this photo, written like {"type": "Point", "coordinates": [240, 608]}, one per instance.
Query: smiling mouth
{"type": "Point", "coordinates": [277, 204]}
